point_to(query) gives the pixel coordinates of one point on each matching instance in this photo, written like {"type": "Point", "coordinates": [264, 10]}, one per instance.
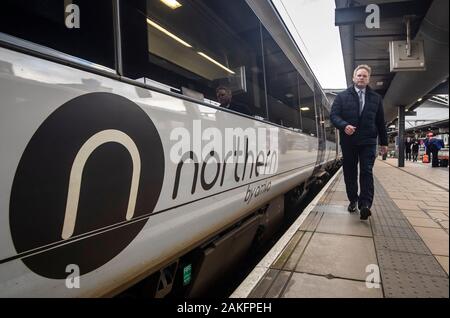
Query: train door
{"type": "Point", "coordinates": [320, 123]}
{"type": "Point", "coordinates": [330, 136]}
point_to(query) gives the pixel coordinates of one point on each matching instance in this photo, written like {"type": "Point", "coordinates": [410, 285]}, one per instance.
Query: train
{"type": "Point", "coordinates": [118, 166]}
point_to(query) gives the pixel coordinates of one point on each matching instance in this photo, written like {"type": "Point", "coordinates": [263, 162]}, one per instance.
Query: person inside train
{"type": "Point", "coordinates": [433, 145]}
{"type": "Point", "coordinates": [358, 114]}
{"type": "Point", "coordinates": [225, 96]}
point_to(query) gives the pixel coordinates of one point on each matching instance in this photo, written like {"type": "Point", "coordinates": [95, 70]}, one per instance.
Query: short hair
{"type": "Point", "coordinates": [362, 66]}
{"type": "Point", "coordinates": [223, 88]}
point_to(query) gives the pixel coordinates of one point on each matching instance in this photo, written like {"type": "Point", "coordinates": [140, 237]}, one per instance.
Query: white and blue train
{"type": "Point", "coordinates": [117, 165]}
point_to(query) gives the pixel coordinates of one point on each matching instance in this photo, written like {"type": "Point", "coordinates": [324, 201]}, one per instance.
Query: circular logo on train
{"type": "Point", "coordinates": [85, 185]}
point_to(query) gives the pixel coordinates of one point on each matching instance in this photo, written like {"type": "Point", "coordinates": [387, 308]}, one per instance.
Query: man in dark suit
{"type": "Point", "coordinates": [358, 114]}
{"type": "Point", "coordinates": [224, 97]}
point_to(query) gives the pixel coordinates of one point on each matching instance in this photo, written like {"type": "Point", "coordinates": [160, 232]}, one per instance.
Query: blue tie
{"type": "Point", "coordinates": [360, 102]}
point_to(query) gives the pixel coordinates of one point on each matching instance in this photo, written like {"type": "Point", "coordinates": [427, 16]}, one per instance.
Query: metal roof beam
{"type": "Point", "coordinates": [441, 89]}
{"type": "Point", "coordinates": [372, 59]}
{"type": "Point", "coordinates": [393, 35]}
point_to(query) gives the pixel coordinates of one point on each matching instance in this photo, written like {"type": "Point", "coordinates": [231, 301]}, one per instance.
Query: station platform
{"type": "Point", "coordinates": [401, 251]}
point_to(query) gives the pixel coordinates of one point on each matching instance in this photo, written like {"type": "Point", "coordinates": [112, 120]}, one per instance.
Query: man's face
{"type": "Point", "coordinates": [223, 97]}
{"type": "Point", "coordinates": [361, 78]}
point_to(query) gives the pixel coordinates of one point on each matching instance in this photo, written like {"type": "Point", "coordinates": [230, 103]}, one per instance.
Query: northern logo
{"type": "Point", "coordinates": [86, 181]}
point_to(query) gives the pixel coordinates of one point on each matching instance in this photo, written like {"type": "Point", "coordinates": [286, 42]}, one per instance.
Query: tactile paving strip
{"type": "Point", "coordinates": [410, 263]}
{"type": "Point", "coordinates": [386, 214]}
{"type": "Point", "coordinates": [407, 267]}
{"type": "Point", "coordinates": [394, 231]}
{"type": "Point", "coordinates": [401, 245]}
{"type": "Point", "coordinates": [382, 220]}
{"type": "Point", "coordinates": [412, 285]}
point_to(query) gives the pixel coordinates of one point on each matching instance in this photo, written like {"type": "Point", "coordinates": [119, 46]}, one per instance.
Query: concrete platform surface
{"type": "Point", "coordinates": [401, 251]}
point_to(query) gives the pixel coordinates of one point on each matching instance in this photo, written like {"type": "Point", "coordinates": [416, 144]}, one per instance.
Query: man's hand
{"type": "Point", "coordinates": [383, 150]}
{"type": "Point", "coordinates": [350, 130]}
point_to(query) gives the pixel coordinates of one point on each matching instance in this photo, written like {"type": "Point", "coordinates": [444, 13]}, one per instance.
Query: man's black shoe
{"type": "Point", "coordinates": [365, 213]}
{"type": "Point", "coordinates": [352, 207]}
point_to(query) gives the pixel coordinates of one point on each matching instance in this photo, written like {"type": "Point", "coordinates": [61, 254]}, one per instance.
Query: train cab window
{"type": "Point", "coordinates": [307, 109]}
{"type": "Point", "coordinates": [85, 31]}
{"type": "Point", "coordinates": [196, 46]}
{"type": "Point", "coordinates": [282, 85]}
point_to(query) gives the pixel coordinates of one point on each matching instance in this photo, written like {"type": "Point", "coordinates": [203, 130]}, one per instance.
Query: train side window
{"type": "Point", "coordinates": [320, 114]}
{"type": "Point", "coordinates": [282, 85]}
{"type": "Point", "coordinates": [199, 46]}
{"type": "Point", "coordinates": [330, 132]}
{"type": "Point", "coordinates": [307, 109]}
{"type": "Point", "coordinates": [43, 22]}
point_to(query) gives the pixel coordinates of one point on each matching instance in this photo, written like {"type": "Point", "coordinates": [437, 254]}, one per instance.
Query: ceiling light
{"type": "Point", "coordinates": [215, 62]}
{"type": "Point", "coordinates": [173, 36]}
{"type": "Point", "coordinates": [419, 100]}
{"type": "Point", "coordinates": [304, 109]}
{"type": "Point", "coordinates": [173, 4]}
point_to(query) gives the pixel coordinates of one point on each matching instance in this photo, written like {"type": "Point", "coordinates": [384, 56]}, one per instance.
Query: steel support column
{"type": "Point", "coordinates": [401, 136]}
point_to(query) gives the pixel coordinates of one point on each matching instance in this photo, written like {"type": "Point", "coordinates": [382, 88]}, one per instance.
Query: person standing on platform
{"type": "Point", "coordinates": [415, 150]}
{"type": "Point", "coordinates": [358, 114]}
{"type": "Point", "coordinates": [433, 145]}
{"type": "Point", "coordinates": [408, 144]}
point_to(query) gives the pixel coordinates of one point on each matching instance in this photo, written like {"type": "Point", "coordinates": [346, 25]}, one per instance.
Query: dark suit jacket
{"type": "Point", "coordinates": [240, 109]}
{"type": "Point", "coordinates": [369, 126]}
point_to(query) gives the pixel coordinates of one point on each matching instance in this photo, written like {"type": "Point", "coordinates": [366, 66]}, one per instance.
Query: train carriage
{"type": "Point", "coordinates": [117, 164]}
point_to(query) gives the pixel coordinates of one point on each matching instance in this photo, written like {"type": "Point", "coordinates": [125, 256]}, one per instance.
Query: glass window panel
{"type": "Point", "coordinates": [282, 85]}
{"type": "Point", "coordinates": [44, 22]}
{"type": "Point", "coordinates": [307, 109]}
{"type": "Point", "coordinates": [329, 128]}
{"type": "Point", "coordinates": [320, 115]}
{"type": "Point", "coordinates": [199, 46]}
